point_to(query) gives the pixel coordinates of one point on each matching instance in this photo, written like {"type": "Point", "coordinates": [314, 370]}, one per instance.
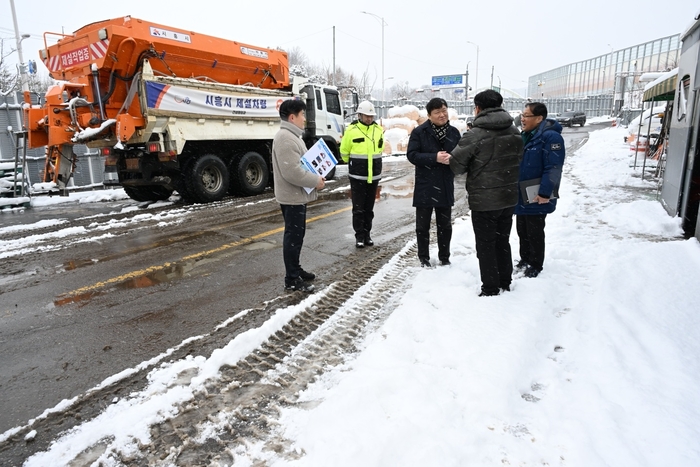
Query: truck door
{"type": "Point", "coordinates": [321, 115]}
{"type": "Point", "coordinates": [334, 111]}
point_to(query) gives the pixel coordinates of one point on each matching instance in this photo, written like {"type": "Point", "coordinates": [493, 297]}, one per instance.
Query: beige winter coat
{"type": "Point", "coordinates": [289, 175]}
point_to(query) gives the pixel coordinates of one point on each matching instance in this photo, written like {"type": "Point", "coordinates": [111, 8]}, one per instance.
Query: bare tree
{"type": "Point", "coordinates": [402, 91]}
{"type": "Point", "coordinates": [296, 56]}
{"type": "Point", "coordinates": [9, 77]}
{"type": "Point", "coordinates": [8, 80]}
{"type": "Point", "coordinates": [365, 85]}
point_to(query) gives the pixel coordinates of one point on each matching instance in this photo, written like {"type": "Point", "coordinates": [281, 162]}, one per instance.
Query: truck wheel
{"type": "Point", "coordinates": [148, 193]}
{"type": "Point", "coordinates": [251, 175]}
{"type": "Point", "coordinates": [181, 186]}
{"type": "Point", "coordinates": [206, 179]}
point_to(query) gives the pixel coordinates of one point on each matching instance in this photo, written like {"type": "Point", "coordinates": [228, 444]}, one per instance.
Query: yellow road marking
{"type": "Point", "coordinates": [201, 254]}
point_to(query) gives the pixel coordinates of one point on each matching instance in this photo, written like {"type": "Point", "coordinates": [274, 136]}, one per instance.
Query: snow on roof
{"type": "Point", "coordinates": [661, 78]}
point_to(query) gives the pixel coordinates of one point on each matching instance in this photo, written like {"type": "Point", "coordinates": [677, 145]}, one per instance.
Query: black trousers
{"type": "Point", "coordinates": [443, 220]}
{"type": "Point", "coordinates": [531, 233]}
{"type": "Point", "coordinates": [492, 233]}
{"type": "Point", "coordinates": [363, 195]}
{"type": "Point", "coordinates": [294, 231]}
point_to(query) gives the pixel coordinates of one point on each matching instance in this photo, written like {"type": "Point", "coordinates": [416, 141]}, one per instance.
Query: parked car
{"type": "Point", "coordinates": [572, 118]}
{"type": "Point", "coordinates": [655, 116]}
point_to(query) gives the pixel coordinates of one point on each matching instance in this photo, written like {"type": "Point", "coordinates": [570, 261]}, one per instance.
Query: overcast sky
{"type": "Point", "coordinates": [421, 39]}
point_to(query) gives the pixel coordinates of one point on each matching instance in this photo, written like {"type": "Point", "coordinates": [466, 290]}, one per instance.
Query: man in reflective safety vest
{"type": "Point", "coordinates": [361, 148]}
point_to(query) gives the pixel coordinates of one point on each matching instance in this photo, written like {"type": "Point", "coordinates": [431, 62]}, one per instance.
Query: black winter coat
{"type": "Point", "coordinates": [490, 154]}
{"type": "Point", "coordinates": [434, 185]}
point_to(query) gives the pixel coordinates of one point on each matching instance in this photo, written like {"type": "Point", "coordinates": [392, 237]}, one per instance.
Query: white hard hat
{"type": "Point", "coordinates": [366, 108]}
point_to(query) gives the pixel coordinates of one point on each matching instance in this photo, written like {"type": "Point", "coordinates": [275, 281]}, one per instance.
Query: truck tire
{"type": "Point", "coordinates": [206, 179]}
{"type": "Point", "coordinates": [181, 185]}
{"type": "Point", "coordinates": [251, 174]}
{"type": "Point", "coordinates": [148, 193]}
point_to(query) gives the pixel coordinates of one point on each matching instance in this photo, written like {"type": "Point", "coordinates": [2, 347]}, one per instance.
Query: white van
{"type": "Point", "coordinates": [641, 124]}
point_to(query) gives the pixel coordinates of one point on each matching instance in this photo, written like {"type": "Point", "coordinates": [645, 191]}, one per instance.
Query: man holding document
{"type": "Point", "coordinates": [540, 176]}
{"type": "Point", "coordinates": [290, 179]}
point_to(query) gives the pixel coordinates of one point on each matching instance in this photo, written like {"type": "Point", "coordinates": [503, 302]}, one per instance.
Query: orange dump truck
{"type": "Point", "coordinates": [171, 109]}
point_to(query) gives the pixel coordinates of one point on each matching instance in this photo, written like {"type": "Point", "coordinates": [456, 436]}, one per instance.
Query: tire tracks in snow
{"type": "Point", "coordinates": [240, 409]}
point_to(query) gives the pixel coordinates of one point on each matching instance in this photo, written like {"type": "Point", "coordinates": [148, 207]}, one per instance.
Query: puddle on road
{"type": "Point", "coordinates": [78, 263]}
{"type": "Point", "coordinates": [170, 273]}
{"type": "Point", "coordinates": [398, 189]}
{"type": "Point", "coordinates": [136, 245]}
{"type": "Point", "coordinates": [77, 298]}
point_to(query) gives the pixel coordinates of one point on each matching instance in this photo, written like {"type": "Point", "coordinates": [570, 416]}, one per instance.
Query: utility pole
{"type": "Point", "coordinates": [23, 78]}
{"type": "Point", "coordinates": [466, 85]}
{"type": "Point", "coordinates": [384, 23]}
{"type": "Point", "coordinates": [476, 81]}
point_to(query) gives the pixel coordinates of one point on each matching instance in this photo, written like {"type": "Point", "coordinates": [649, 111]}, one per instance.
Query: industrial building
{"type": "Point", "coordinates": [608, 83]}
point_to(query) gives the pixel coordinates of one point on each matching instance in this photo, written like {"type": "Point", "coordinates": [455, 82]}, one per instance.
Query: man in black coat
{"type": "Point", "coordinates": [490, 155]}
{"type": "Point", "coordinates": [428, 149]}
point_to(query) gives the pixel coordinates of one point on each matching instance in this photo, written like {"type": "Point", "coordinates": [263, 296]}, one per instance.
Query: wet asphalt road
{"type": "Point", "coordinates": [72, 317]}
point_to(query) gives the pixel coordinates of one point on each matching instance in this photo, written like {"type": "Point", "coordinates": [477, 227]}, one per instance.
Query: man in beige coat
{"type": "Point", "coordinates": [290, 178]}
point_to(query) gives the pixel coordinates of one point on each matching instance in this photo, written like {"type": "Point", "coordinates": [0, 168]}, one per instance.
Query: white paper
{"type": "Point", "coordinates": [319, 160]}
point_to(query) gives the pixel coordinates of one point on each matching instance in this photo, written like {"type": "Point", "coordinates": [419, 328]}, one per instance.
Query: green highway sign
{"type": "Point", "coordinates": [448, 80]}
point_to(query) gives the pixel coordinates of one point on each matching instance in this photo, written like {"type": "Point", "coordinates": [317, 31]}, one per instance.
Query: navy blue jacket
{"type": "Point", "coordinates": [434, 185]}
{"type": "Point", "coordinates": [543, 157]}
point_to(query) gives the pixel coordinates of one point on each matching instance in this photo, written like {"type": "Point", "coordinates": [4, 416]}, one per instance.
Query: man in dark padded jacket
{"type": "Point", "coordinates": [428, 149]}
{"type": "Point", "coordinates": [490, 155]}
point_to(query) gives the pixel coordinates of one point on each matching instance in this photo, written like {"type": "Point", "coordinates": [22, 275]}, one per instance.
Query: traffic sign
{"type": "Point", "coordinates": [447, 80]}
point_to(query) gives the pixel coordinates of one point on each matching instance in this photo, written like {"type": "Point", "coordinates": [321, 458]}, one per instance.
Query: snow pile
{"type": "Point", "coordinates": [592, 363]}
{"type": "Point", "coordinates": [395, 139]}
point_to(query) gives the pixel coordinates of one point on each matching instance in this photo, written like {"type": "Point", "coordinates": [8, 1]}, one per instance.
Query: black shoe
{"type": "Point", "coordinates": [505, 288]}
{"type": "Point", "coordinates": [445, 262]}
{"type": "Point", "coordinates": [359, 244]}
{"type": "Point", "coordinates": [491, 293]}
{"type": "Point", "coordinates": [368, 241]}
{"type": "Point", "coordinates": [532, 272]}
{"type": "Point", "coordinates": [425, 263]}
{"type": "Point", "coordinates": [307, 276]}
{"type": "Point", "coordinates": [299, 285]}
{"type": "Point", "coordinates": [520, 265]}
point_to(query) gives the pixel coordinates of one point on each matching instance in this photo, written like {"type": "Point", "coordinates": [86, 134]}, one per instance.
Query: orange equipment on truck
{"type": "Point", "coordinates": [171, 109]}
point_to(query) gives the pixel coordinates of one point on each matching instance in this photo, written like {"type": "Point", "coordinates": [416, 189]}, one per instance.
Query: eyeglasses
{"type": "Point", "coordinates": [527, 116]}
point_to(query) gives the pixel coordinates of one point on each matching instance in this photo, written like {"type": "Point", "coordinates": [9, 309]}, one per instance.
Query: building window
{"type": "Point", "coordinates": [683, 89]}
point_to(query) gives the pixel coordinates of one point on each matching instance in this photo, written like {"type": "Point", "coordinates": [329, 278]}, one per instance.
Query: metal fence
{"type": "Point", "coordinates": [594, 106]}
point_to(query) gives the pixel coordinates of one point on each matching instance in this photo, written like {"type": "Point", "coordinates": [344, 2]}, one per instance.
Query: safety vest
{"type": "Point", "coordinates": [362, 147]}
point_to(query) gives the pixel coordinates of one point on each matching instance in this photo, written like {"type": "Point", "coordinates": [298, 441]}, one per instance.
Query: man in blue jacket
{"type": "Point", "coordinates": [428, 149]}
{"type": "Point", "coordinates": [543, 158]}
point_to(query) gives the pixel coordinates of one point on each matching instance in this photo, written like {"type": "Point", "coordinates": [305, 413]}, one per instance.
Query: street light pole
{"type": "Point", "coordinates": [385, 80]}
{"type": "Point", "coordinates": [383, 23]}
{"type": "Point", "coordinates": [23, 78]}
{"type": "Point", "coordinates": [466, 85]}
{"type": "Point", "coordinates": [613, 75]}
{"type": "Point", "coordinates": [476, 80]}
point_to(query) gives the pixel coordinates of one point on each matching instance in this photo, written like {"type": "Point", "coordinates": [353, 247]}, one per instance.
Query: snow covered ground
{"type": "Point", "coordinates": [592, 363]}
